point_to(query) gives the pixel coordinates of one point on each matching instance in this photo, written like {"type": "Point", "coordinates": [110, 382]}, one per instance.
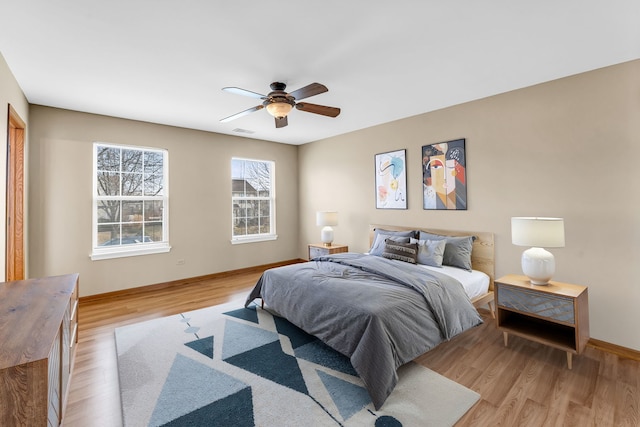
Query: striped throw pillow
{"type": "Point", "coordinates": [407, 252]}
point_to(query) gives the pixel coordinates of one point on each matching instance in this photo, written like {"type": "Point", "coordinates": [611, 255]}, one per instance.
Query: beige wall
{"type": "Point", "coordinates": [200, 201]}
{"type": "Point", "coordinates": [567, 148]}
{"type": "Point", "coordinates": [10, 94]}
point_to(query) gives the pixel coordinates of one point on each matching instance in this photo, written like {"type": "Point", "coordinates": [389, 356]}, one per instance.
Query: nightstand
{"type": "Point", "coordinates": [556, 314]}
{"type": "Point", "coordinates": [318, 249]}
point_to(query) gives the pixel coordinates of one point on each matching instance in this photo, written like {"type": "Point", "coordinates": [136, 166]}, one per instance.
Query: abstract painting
{"type": "Point", "coordinates": [444, 175]}
{"type": "Point", "coordinates": [391, 180]}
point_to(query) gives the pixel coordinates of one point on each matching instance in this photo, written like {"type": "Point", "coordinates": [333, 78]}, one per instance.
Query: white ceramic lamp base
{"type": "Point", "coordinates": [538, 265]}
{"type": "Point", "coordinates": [326, 235]}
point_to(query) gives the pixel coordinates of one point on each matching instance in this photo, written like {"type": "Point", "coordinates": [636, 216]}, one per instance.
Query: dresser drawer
{"type": "Point", "coordinates": [553, 307]}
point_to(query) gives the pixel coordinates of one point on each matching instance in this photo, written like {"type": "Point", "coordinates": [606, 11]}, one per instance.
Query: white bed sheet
{"type": "Point", "coordinates": [475, 283]}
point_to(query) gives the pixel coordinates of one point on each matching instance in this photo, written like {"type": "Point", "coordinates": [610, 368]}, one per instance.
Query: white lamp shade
{"type": "Point", "coordinates": [537, 232]}
{"type": "Point", "coordinates": [326, 218]}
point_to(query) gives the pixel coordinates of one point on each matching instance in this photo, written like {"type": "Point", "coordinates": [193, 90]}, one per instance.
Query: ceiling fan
{"type": "Point", "coordinates": [279, 103]}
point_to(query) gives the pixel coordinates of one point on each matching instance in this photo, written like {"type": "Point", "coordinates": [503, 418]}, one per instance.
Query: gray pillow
{"type": "Point", "coordinates": [407, 252]}
{"type": "Point", "coordinates": [457, 251]}
{"type": "Point", "coordinates": [378, 240]}
{"type": "Point", "coordinates": [430, 252]}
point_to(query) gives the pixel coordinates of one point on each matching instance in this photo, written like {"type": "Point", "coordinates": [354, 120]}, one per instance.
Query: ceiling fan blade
{"type": "Point", "coordinates": [281, 122]}
{"type": "Point", "coordinates": [240, 91]}
{"type": "Point", "coordinates": [242, 113]}
{"type": "Point", "coordinates": [318, 109]}
{"type": "Point", "coordinates": [309, 90]}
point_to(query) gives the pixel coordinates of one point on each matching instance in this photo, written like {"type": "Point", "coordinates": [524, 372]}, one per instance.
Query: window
{"type": "Point", "coordinates": [253, 200]}
{"type": "Point", "coordinates": [130, 201]}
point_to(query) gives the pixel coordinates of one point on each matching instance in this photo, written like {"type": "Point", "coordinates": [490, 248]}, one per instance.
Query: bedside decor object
{"type": "Point", "coordinates": [391, 180]}
{"type": "Point", "coordinates": [444, 176]}
{"type": "Point", "coordinates": [538, 264]}
{"type": "Point", "coordinates": [326, 220]}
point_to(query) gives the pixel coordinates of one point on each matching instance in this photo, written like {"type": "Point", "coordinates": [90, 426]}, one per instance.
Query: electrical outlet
{"type": "Point", "coordinates": [180, 262]}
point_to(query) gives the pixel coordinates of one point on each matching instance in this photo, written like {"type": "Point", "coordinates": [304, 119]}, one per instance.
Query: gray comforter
{"type": "Point", "coordinates": [378, 312]}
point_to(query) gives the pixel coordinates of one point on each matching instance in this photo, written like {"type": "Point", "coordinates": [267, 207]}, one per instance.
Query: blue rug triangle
{"type": "Point", "coordinates": [235, 410]}
{"type": "Point", "coordinates": [249, 314]}
{"type": "Point", "coordinates": [297, 336]}
{"type": "Point", "coordinates": [189, 386]}
{"type": "Point", "coordinates": [349, 398]}
{"type": "Point", "coordinates": [192, 330]}
{"type": "Point", "coordinates": [203, 346]}
{"type": "Point", "coordinates": [323, 355]}
{"type": "Point", "coordinates": [270, 362]}
{"type": "Point", "coordinates": [240, 337]}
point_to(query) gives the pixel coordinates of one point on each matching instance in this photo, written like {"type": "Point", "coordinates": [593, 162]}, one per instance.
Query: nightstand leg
{"type": "Point", "coordinates": [506, 338]}
{"type": "Point", "coordinates": [569, 359]}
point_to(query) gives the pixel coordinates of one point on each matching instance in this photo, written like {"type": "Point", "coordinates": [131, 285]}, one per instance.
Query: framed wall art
{"type": "Point", "coordinates": [391, 180]}
{"type": "Point", "coordinates": [444, 175]}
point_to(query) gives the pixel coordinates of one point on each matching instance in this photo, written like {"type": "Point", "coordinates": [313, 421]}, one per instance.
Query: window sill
{"type": "Point", "coordinates": [121, 252]}
{"type": "Point", "coordinates": [253, 239]}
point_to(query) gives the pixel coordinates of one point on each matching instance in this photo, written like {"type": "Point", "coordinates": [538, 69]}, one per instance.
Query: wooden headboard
{"type": "Point", "coordinates": [482, 253]}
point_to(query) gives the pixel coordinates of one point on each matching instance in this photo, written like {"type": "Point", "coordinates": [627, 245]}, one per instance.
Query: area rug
{"type": "Point", "coordinates": [232, 366]}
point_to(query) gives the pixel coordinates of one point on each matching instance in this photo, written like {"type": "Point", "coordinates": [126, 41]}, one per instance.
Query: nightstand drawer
{"type": "Point", "coordinates": [552, 307]}
{"type": "Point", "coordinates": [315, 252]}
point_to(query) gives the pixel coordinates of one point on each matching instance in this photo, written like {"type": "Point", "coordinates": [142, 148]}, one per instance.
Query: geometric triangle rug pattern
{"type": "Point", "coordinates": [246, 367]}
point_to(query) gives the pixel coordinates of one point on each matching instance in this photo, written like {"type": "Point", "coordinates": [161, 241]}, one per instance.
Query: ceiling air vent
{"type": "Point", "coordinates": [239, 130]}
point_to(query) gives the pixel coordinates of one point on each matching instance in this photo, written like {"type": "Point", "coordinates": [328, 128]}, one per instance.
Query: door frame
{"type": "Point", "coordinates": [14, 245]}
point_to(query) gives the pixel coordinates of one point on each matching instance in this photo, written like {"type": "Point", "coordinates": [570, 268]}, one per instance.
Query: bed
{"type": "Point", "coordinates": [482, 256]}
{"type": "Point", "coordinates": [379, 311]}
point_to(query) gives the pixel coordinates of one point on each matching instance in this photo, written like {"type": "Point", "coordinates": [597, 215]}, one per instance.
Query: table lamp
{"type": "Point", "coordinates": [326, 220]}
{"type": "Point", "coordinates": [538, 264]}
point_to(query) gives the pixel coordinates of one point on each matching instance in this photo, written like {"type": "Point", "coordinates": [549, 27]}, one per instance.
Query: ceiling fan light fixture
{"type": "Point", "coordinates": [279, 109]}
{"type": "Point", "coordinates": [279, 103]}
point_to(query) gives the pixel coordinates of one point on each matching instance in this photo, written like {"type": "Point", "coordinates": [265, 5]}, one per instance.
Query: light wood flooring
{"type": "Point", "coordinates": [525, 384]}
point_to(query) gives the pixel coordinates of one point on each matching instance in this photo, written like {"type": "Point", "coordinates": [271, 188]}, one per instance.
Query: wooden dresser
{"type": "Point", "coordinates": [38, 337]}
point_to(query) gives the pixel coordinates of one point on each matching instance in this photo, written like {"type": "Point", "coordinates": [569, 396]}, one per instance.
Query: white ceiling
{"type": "Point", "coordinates": [164, 61]}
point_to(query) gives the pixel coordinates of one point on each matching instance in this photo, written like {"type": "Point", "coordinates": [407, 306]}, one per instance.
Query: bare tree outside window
{"type": "Point", "coordinates": [129, 195]}
{"type": "Point", "coordinates": [252, 197]}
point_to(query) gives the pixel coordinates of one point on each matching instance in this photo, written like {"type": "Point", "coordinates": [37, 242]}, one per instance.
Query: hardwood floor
{"type": "Point", "coordinates": [525, 384]}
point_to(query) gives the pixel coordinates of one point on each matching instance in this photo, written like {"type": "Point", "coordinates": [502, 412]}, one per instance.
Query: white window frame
{"type": "Point", "coordinates": [252, 238]}
{"type": "Point", "coordinates": [120, 251]}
